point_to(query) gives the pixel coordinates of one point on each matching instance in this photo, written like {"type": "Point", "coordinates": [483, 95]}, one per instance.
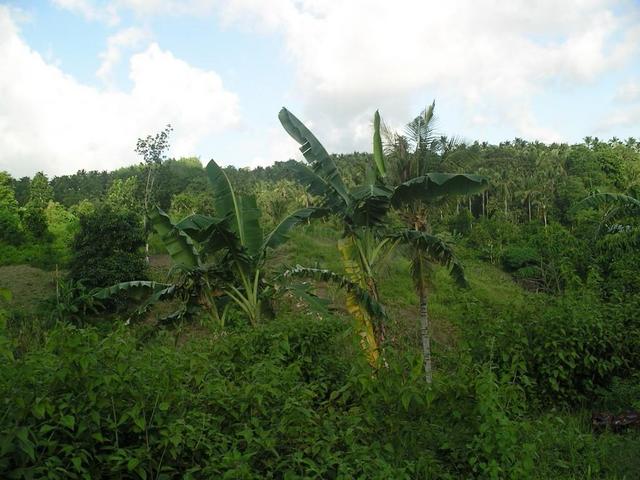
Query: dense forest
{"type": "Point", "coordinates": [429, 309]}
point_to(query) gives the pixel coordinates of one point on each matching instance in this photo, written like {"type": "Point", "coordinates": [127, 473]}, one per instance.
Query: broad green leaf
{"type": "Point", "coordinates": [249, 222]}
{"type": "Point", "coordinates": [212, 233]}
{"type": "Point", "coordinates": [279, 235]}
{"type": "Point", "coordinates": [242, 211]}
{"type": "Point", "coordinates": [378, 155]}
{"type": "Point", "coordinates": [433, 185]}
{"type": "Point", "coordinates": [68, 421]}
{"type": "Point", "coordinates": [314, 152]}
{"type": "Point", "coordinates": [136, 289]}
{"type": "Point", "coordinates": [224, 197]}
{"type": "Point", "coordinates": [177, 243]}
{"type": "Point", "coordinates": [370, 205]}
{"type": "Point", "coordinates": [197, 226]}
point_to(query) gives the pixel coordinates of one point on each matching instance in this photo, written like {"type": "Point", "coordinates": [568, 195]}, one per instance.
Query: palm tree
{"type": "Point", "coordinates": [412, 155]}
{"type": "Point", "coordinates": [624, 236]}
{"type": "Point", "coordinates": [363, 209]}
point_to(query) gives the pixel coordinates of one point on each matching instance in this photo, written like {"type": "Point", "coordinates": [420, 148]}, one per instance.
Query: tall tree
{"type": "Point", "coordinates": [40, 192]}
{"type": "Point", "coordinates": [153, 151]}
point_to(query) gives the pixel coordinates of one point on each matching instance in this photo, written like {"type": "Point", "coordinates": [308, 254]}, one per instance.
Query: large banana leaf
{"type": "Point", "coordinates": [433, 185]}
{"type": "Point", "coordinates": [135, 289]}
{"type": "Point", "coordinates": [212, 233]}
{"type": "Point", "coordinates": [242, 211]}
{"type": "Point", "coordinates": [225, 202]}
{"type": "Point", "coordinates": [359, 304]}
{"type": "Point", "coordinates": [314, 152]}
{"type": "Point", "coordinates": [177, 243]}
{"type": "Point", "coordinates": [279, 235]}
{"type": "Point", "coordinates": [317, 186]}
{"type": "Point", "coordinates": [378, 155]}
{"type": "Point", "coordinates": [249, 222]}
{"type": "Point", "coordinates": [139, 289]}
{"type": "Point", "coordinates": [198, 226]}
{"type": "Point", "coordinates": [370, 205]}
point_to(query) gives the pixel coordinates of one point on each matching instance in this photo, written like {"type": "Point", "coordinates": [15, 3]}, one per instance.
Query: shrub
{"type": "Point", "coordinates": [10, 231]}
{"type": "Point", "coordinates": [108, 248]}
{"type": "Point", "coordinates": [560, 350]}
{"type": "Point", "coordinates": [35, 221]}
{"type": "Point", "coordinates": [247, 405]}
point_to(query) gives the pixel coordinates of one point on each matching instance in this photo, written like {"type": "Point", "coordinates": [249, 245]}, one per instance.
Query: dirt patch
{"type": "Point", "coordinates": [29, 286]}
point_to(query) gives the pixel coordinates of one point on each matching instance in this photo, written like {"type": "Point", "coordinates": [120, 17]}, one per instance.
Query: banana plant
{"type": "Point", "coordinates": [621, 236]}
{"type": "Point", "coordinates": [363, 211]}
{"type": "Point", "coordinates": [219, 259]}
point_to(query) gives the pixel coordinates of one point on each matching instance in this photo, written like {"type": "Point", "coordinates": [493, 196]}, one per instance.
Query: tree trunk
{"type": "Point", "coordinates": [529, 202]}
{"type": "Point", "coordinates": [424, 334]}
{"type": "Point", "coordinates": [145, 225]}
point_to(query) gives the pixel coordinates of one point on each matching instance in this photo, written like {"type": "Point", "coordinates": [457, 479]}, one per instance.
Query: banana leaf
{"type": "Point", "coordinates": [433, 185]}
{"type": "Point", "coordinates": [178, 244]}
{"type": "Point", "coordinates": [279, 235]}
{"type": "Point", "coordinates": [321, 163]}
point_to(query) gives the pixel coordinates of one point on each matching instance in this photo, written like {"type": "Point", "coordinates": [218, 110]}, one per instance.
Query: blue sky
{"type": "Point", "coordinates": [83, 79]}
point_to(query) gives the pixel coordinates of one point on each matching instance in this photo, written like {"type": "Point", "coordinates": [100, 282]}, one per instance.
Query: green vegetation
{"type": "Point", "coordinates": [243, 356]}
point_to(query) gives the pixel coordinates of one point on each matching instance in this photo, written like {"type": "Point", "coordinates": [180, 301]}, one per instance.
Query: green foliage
{"type": "Point", "coordinates": [517, 257]}
{"type": "Point", "coordinates": [107, 248]}
{"type": "Point", "coordinates": [122, 194]}
{"type": "Point", "coordinates": [10, 230]}
{"type": "Point", "coordinates": [35, 221]}
{"type": "Point", "coordinates": [72, 303]}
{"type": "Point", "coordinates": [563, 350]}
{"type": "Point", "coordinates": [497, 450]}
{"type": "Point", "coordinates": [40, 192]}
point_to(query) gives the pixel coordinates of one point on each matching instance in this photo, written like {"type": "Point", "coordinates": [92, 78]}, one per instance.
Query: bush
{"type": "Point", "coordinates": [560, 350]}
{"type": "Point", "coordinates": [10, 231]}
{"type": "Point", "coordinates": [516, 257]}
{"type": "Point", "coordinates": [35, 221]}
{"type": "Point", "coordinates": [108, 248]}
{"type": "Point", "coordinates": [256, 404]}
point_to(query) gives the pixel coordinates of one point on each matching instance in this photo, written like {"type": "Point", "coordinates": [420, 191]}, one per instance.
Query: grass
{"type": "Point", "coordinates": [29, 286]}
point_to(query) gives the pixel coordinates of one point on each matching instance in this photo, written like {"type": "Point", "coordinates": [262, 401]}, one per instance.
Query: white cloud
{"type": "Point", "coordinates": [109, 11]}
{"type": "Point", "coordinates": [490, 60]}
{"type": "Point", "coordinates": [279, 147]}
{"type": "Point", "coordinates": [124, 39]}
{"type": "Point", "coordinates": [88, 9]}
{"type": "Point", "coordinates": [50, 121]}
{"type": "Point", "coordinates": [628, 92]}
{"type": "Point", "coordinates": [494, 57]}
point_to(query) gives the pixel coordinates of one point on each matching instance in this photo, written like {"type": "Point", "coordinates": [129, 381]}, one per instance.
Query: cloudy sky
{"type": "Point", "coordinates": [81, 80]}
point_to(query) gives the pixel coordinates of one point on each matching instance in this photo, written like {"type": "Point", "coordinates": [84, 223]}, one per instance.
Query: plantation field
{"type": "Point", "coordinates": [431, 310]}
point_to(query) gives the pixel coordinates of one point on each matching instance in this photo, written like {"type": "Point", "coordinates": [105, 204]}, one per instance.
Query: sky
{"type": "Point", "coordinates": [82, 80]}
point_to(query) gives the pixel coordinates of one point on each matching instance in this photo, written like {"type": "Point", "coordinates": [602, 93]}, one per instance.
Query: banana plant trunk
{"type": "Point", "coordinates": [370, 337]}
{"type": "Point", "coordinates": [424, 335]}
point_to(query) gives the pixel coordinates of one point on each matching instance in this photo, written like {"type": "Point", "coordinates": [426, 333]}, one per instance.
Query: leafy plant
{"type": "Point", "coordinates": [217, 258]}
{"type": "Point", "coordinates": [363, 210]}
{"type": "Point", "coordinates": [107, 248]}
